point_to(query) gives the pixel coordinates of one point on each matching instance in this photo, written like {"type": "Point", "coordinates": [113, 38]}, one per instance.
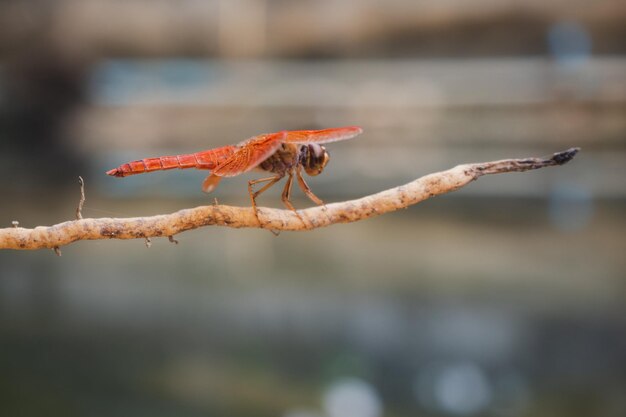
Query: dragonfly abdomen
{"type": "Point", "coordinates": [199, 160]}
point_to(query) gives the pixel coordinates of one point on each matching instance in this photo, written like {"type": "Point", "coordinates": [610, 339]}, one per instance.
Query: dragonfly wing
{"type": "Point", "coordinates": [250, 154]}
{"type": "Point", "coordinates": [210, 183]}
{"type": "Point", "coordinates": [323, 136]}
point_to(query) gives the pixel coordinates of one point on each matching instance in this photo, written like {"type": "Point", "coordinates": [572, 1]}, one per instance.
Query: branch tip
{"type": "Point", "coordinates": [565, 156]}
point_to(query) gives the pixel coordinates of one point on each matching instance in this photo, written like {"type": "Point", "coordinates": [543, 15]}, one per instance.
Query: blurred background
{"type": "Point", "coordinates": [507, 298]}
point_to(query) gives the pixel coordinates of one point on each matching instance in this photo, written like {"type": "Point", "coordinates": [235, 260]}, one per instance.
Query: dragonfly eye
{"type": "Point", "coordinates": [316, 160]}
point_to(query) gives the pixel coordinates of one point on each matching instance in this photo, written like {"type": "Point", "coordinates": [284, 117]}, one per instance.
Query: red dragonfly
{"type": "Point", "coordinates": [282, 153]}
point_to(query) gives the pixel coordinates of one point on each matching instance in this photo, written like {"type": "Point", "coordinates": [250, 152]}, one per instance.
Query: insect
{"type": "Point", "coordinates": [282, 154]}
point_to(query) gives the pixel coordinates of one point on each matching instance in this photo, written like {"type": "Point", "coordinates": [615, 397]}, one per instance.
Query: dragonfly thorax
{"type": "Point", "coordinates": [312, 157]}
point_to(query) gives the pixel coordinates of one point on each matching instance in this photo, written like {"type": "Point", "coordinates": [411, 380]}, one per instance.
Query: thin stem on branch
{"type": "Point", "coordinates": [168, 225]}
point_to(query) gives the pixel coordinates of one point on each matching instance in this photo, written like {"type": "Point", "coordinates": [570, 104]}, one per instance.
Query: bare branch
{"type": "Point", "coordinates": [168, 225]}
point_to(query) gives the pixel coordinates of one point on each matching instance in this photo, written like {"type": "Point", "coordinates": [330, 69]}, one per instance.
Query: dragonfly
{"type": "Point", "coordinates": [284, 153]}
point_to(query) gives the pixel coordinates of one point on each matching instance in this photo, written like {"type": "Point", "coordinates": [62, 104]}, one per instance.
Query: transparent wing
{"type": "Point", "coordinates": [250, 154]}
{"type": "Point", "coordinates": [322, 136]}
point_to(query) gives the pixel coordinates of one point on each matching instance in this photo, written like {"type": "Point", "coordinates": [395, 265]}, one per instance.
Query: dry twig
{"type": "Point", "coordinates": [168, 225]}
{"type": "Point", "coordinates": [81, 202]}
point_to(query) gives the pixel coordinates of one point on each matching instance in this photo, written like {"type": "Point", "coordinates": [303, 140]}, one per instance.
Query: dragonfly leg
{"type": "Point", "coordinates": [287, 196]}
{"type": "Point", "coordinates": [307, 190]}
{"type": "Point", "coordinates": [254, 194]}
{"type": "Point", "coordinates": [287, 193]}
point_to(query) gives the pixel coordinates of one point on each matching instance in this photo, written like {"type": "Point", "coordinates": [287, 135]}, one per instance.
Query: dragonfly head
{"type": "Point", "coordinates": [315, 159]}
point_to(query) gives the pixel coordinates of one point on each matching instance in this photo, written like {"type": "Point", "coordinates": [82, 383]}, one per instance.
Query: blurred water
{"type": "Point", "coordinates": [214, 322]}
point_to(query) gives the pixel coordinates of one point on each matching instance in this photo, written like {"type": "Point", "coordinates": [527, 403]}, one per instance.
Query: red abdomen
{"type": "Point", "coordinates": [199, 160]}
